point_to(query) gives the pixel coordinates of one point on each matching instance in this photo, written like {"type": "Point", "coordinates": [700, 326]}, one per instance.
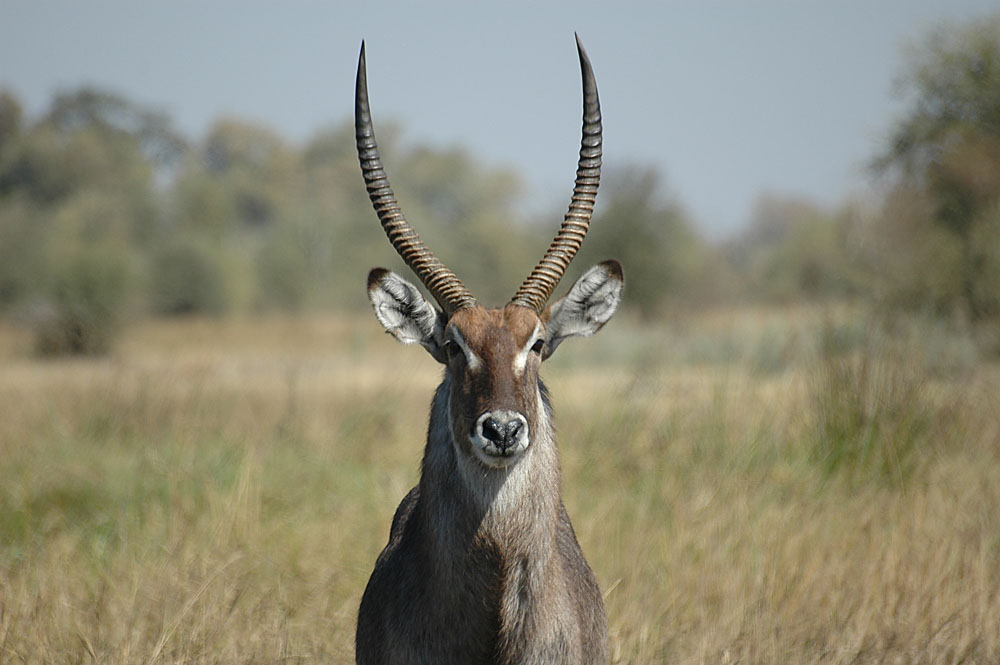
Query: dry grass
{"type": "Point", "coordinates": [218, 492]}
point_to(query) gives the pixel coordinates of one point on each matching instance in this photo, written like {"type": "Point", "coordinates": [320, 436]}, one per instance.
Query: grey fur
{"type": "Point", "coordinates": [482, 565]}
{"type": "Point", "coordinates": [484, 576]}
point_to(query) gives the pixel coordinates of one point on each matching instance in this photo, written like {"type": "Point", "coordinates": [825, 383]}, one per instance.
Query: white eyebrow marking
{"type": "Point", "coordinates": [470, 356]}
{"type": "Point", "coordinates": [521, 359]}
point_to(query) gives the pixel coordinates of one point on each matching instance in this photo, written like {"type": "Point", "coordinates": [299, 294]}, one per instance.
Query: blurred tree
{"type": "Point", "coordinates": [255, 168]}
{"type": "Point", "coordinates": [21, 252]}
{"type": "Point", "coordinates": [793, 249]}
{"type": "Point", "coordinates": [665, 260]}
{"type": "Point", "coordinates": [919, 260]}
{"type": "Point", "coordinates": [20, 246]}
{"type": "Point", "coordinates": [91, 144]}
{"type": "Point", "coordinates": [111, 114]}
{"type": "Point", "coordinates": [244, 219]}
{"type": "Point", "coordinates": [947, 147]}
{"type": "Point", "coordinates": [334, 223]}
{"type": "Point", "coordinates": [77, 202]}
{"type": "Point", "coordinates": [453, 188]}
{"type": "Point", "coordinates": [236, 190]}
{"type": "Point", "coordinates": [89, 288]}
{"type": "Point", "coordinates": [185, 278]}
{"type": "Point", "coordinates": [200, 206]}
{"type": "Point", "coordinates": [10, 118]}
{"type": "Point", "coordinates": [465, 210]}
{"type": "Point", "coordinates": [283, 271]}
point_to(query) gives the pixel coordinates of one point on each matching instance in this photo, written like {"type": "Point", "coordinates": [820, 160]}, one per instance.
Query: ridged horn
{"type": "Point", "coordinates": [446, 288]}
{"type": "Point", "coordinates": [538, 287]}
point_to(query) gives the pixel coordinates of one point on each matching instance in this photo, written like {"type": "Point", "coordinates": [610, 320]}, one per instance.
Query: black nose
{"type": "Point", "coordinates": [503, 434]}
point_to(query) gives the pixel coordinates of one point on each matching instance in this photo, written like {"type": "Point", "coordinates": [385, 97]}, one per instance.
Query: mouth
{"type": "Point", "coordinates": [496, 457]}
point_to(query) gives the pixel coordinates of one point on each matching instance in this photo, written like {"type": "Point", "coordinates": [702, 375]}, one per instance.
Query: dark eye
{"type": "Point", "coordinates": [452, 349]}
{"type": "Point", "coordinates": [538, 346]}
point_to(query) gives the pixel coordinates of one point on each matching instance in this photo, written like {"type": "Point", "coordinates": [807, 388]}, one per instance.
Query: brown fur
{"type": "Point", "coordinates": [482, 565]}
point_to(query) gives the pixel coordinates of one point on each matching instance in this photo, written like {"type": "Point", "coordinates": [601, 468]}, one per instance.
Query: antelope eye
{"type": "Point", "coordinates": [538, 346]}
{"type": "Point", "coordinates": [452, 349]}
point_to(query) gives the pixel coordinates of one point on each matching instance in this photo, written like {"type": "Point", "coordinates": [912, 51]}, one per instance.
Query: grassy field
{"type": "Point", "coordinates": [759, 486]}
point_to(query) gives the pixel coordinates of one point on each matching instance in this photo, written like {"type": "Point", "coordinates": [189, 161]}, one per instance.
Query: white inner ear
{"type": "Point", "coordinates": [403, 312]}
{"type": "Point", "coordinates": [590, 304]}
{"type": "Point", "coordinates": [521, 359]}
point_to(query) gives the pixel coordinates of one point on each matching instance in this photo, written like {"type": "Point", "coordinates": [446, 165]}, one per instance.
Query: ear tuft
{"type": "Point", "coordinates": [376, 275]}
{"type": "Point", "coordinates": [613, 268]}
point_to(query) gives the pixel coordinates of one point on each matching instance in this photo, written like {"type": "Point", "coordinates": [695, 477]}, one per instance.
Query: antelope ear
{"type": "Point", "coordinates": [590, 304]}
{"type": "Point", "coordinates": [404, 313]}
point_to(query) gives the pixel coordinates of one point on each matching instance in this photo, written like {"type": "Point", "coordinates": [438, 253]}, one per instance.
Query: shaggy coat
{"type": "Point", "coordinates": [486, 575]}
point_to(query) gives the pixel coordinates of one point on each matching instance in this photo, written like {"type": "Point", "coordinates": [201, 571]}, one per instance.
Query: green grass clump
{"type": "Point", "coordinates": [873, 417]}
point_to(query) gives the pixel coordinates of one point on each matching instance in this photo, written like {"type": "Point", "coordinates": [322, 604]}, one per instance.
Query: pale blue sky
{"type": "Point", "coordinates": [728, 99]}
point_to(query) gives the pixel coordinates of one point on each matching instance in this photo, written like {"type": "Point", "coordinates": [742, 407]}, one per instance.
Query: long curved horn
{"type": "Point", "coordinates": [542, 281]}
{"type": "Point", "coordinates": [446, 288]}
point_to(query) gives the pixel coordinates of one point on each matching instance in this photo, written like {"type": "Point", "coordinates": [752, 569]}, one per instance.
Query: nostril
{"type": "Point", "coordinates": [493, 430]}
{"type": "Point", "coordinates": [513, 429]}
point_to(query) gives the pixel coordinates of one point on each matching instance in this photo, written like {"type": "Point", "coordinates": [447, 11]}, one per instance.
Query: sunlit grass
{"type": "Point", "coordinates": [218, 491]}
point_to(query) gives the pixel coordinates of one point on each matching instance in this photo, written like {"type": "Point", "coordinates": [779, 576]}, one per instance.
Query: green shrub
{"type": "Point", "coordinates": [20, 253]}
{"type": "Point", "coordinates": [282, 274]}
{"type": "Point", "coordinates": [186, 279]}
{"type": "Point", "coordinates": [89, 290]}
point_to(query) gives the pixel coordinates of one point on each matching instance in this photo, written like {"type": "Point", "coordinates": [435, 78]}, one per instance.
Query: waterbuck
{"type": "Point", "coordinates": [482, 565]}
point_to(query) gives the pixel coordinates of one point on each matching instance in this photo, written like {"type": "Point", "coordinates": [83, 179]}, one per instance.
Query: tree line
{"type": "Point", "coordinates": [108, 213]}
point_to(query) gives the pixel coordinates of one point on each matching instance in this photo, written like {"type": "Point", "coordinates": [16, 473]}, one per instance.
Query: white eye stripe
{"type": "Point", "coordinates": [521, 359]}
{"type": "Point", "coordinates": [470, 356]}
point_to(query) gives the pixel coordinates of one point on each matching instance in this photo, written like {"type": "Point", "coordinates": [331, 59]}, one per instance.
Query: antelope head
{"type": "Point", "coordinates": [492, 356]}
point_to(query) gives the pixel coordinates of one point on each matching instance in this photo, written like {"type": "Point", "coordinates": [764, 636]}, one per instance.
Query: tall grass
{"type": "Point", "coordinates": [217, 492]}
{"type": "Point", "coordinates": [874, 415]}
